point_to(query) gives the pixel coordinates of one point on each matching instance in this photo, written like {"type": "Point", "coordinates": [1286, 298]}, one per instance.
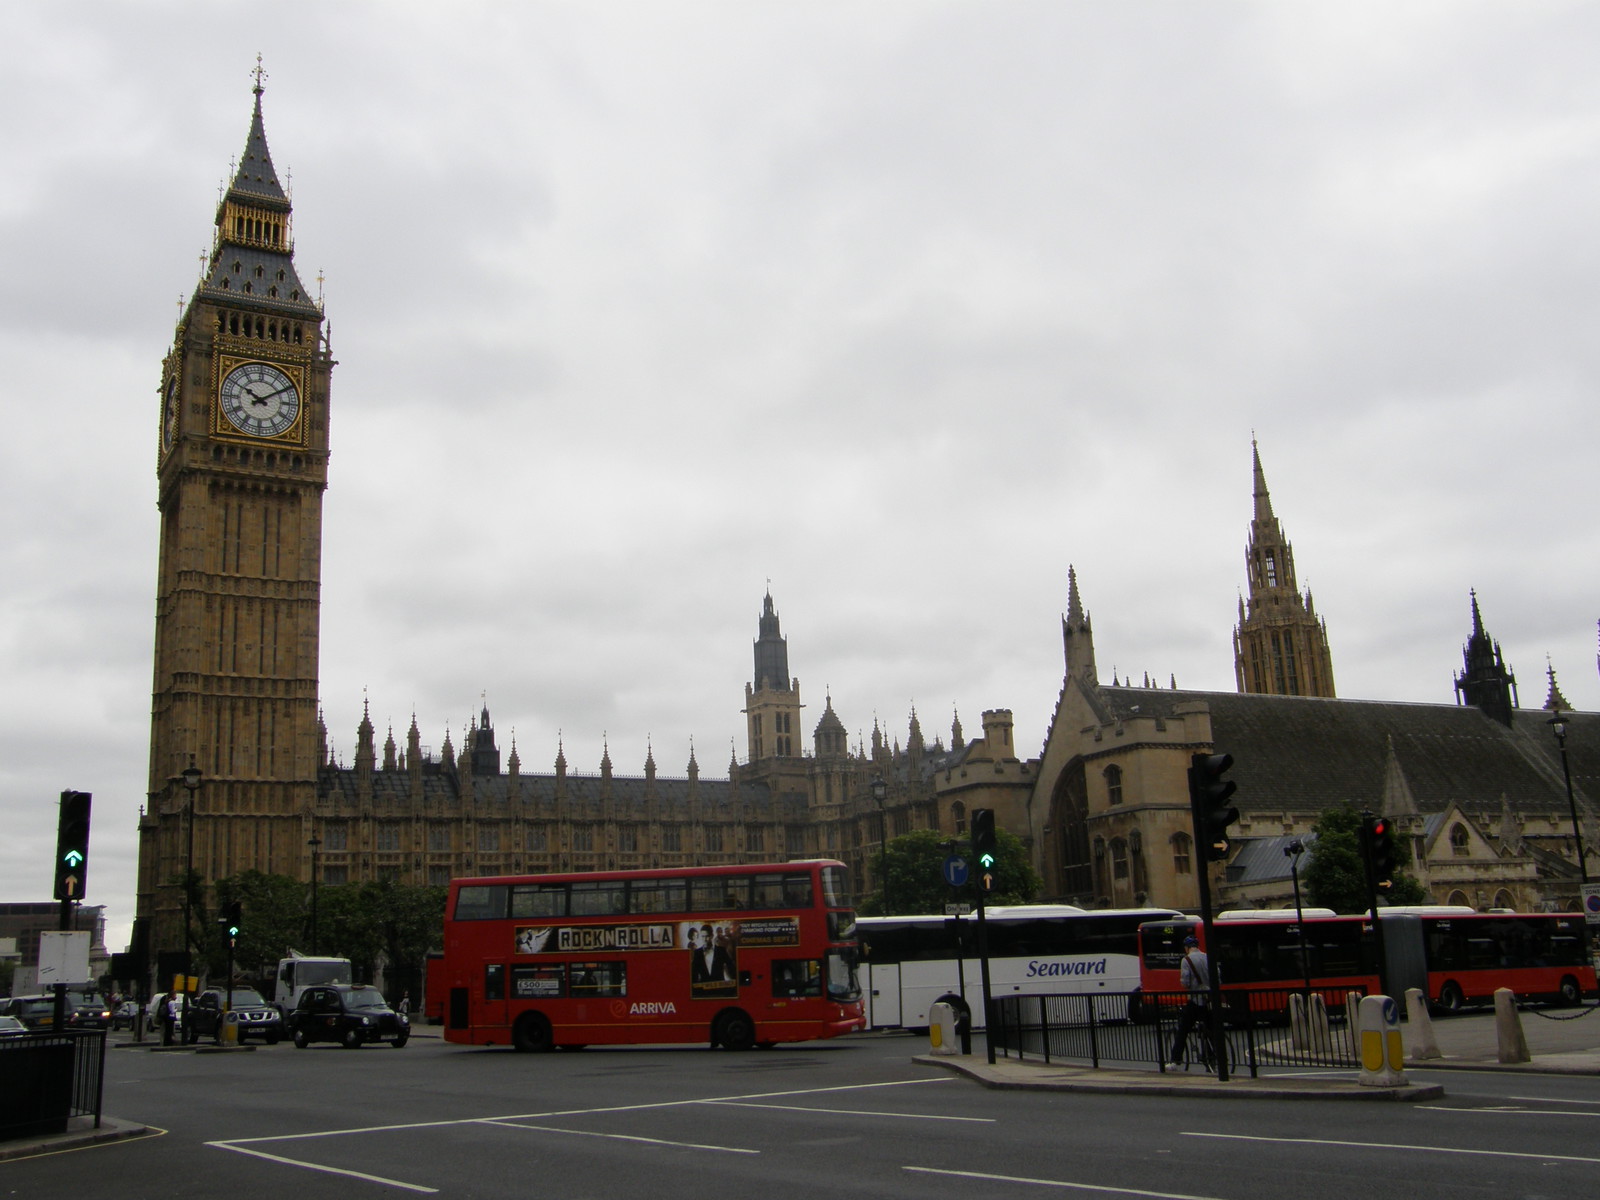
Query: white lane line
{"type": "Point", "coordinates": [620, 1137]}
{"type": "Point", "coordinates": [1244, 1137]}
{"type": "Point", "coordinates": [575, 1112]}
{"type": "Point", "coordinates": [847, 1112]}
{"type": "Point", "coordinates": [1507, 1110]}
{"type": "Point", "coordinates": [311, 1166]}
{"type": "Point", "coordinates": [1548, 1100]}
{"type": "Point", "coordinates": [1059, 1183]}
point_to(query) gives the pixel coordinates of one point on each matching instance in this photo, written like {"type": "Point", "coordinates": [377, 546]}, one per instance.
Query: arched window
{"type": "Point", "coordinates": [1113, 776]}
{"type": "Point", "coordinates": [1502, 899]}
{"type": "Point", "coordinates": [1182, 846]}
{"type": "Point", "coordinates": [958, 817]}
{"type": "Point", "coordinates": [1460, 840]}
{"type": "Point", "coordinates": [1459, 897]}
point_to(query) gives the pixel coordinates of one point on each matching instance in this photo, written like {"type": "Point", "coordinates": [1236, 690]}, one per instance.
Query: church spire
{"type": "Point", "coordinates": [1485, 681]}
{"type": "Point", "coordinates": [1280, 645]}
{"type": "Point", "coordinates": [1077, 636]}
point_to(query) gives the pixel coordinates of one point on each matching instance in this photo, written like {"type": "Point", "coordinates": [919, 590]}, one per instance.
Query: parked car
{"type": "Point", "coordinates": [36, 1012]}
{"type": "Point", "coordinates": [254, 1016]}
{"type": "Point", "coordinates": [350, 1014]}
{"type": "Point", "coordinates": [11, 1027]}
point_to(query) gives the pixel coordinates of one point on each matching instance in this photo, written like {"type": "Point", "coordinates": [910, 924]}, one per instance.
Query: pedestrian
{"type": "Point", "coordinates": [405, 1003]}
{"type": "Point", "coordinates": [1195, 977]}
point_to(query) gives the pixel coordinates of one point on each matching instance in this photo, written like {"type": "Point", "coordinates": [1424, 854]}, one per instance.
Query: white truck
{"type": "Point", "coordinates": [300, 971]}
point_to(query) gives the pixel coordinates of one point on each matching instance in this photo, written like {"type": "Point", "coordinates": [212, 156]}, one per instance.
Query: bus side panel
{"type": "Point", "coordinates": [881, 993]}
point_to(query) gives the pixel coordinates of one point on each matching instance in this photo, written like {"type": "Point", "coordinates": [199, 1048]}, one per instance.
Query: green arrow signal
{"type": "Point", "coordinates": [72, 858]}
{"type": "Point", "coordinates": [986, 860]}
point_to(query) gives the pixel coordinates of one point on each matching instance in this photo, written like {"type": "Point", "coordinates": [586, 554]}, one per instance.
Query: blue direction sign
{"type": "Point", "coordinates": [955, 870]}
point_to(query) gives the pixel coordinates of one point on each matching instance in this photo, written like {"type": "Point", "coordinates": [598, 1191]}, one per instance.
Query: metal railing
{"type": "Point", "coordinates": [1262, 1026]}
{"type": "Point", "coordinates": [50, 1078]}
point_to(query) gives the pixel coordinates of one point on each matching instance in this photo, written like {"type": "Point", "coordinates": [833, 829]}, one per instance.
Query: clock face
{"type": "Point", "coordinates": [169, 416]}
{"type": "Point", "coordinates": [260, 400]}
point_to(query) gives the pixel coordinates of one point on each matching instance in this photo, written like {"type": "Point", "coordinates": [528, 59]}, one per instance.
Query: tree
{"type": "Point", "coordinates": [274, 915]}
{"type": "Point", "coordinates": [1336, 877]}
{"type": "Point", "coordinates": [383, 924]}
{"type": "Point", "coordinates": [916, 879]}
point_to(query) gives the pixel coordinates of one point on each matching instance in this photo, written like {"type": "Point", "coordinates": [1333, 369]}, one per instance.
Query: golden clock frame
{"type": "Point", "coordinates": [295, 366]}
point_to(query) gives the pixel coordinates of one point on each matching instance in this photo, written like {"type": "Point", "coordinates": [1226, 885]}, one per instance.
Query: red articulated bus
{"type": "Point", "coordinates": [1454, 956]}
{"type": "Point", "coordinates": [737, 956]}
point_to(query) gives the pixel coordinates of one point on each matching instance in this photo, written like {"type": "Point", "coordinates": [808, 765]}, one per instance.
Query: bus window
{"type": "Point", "coordinates": [599, 897]}
{"type": "Point", "coordinates": [842, 926]}
{"type": "Point", "coordinates": [494, 981]}
{"type": "Point", "coordinates": [538, 900]}
{"type": "Point", "coordinates": [796, 977]}
{"type": "Point", "coordinates": [718, 893]}
{"type": "Point", "coordinates": [836, 887]}
{"type": "Point", "coordinates": [481, 903]}
{"type": "Point", "coordinates": [529, 983]}
{"type": "Point", "coordinates": [766, 891]}
{"type": "Point", "coordinates": [599, 979]}
{"type": "Point", "coordinates": [657, 896]}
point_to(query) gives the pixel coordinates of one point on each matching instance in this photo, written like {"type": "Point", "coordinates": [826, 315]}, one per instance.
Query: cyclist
{"type": "Point", "coordinates": [1195, 976]}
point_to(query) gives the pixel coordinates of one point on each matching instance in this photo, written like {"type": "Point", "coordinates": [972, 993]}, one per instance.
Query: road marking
{"type": "Point", "coordinates": [621, 1137]}
{"type": "Point", "coordinates": [1547, 1100]}
{"type": "Point", "coordinates": [846, 1112]}
{"type": "Point", "coordinates": [1059, 1183]}
{"type": "Point", "coordinates": [1244, 1137]}
{"type": "Point", "coordinates": [311, 1166]}
{"type": "Point", "coordinates": [1507, 1110]}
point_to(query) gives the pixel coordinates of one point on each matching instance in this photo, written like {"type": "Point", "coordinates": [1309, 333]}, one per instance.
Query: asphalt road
{"type": "Point", "coordinates": [854, 1117]}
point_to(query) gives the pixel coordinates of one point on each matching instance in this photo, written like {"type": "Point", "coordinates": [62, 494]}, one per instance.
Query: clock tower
{"type": "Point", "coordinates": [242, 461]}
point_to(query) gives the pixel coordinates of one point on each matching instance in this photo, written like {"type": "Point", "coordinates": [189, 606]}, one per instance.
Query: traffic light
{"type": "Point", "coordinates": [72, 846]}
{"type": "Point", "coordinates": [984, 848]}
{"type": "Point", "coordinates": [1377, 838]}
{"type": "Point", "coordinates": [232, 920]}
{"type": "Point", "coordinates": [1209, 793]}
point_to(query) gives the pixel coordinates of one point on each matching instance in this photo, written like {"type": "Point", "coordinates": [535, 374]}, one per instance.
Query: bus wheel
{"type": "Point", "coordinates": [531, 1033]}
{"type": "Point", "coordinates": [1571, 993]}
{"type": "Point", "coordinates": [1450, 998]}
{"type": "Point", "coordinates": [734, 1031]}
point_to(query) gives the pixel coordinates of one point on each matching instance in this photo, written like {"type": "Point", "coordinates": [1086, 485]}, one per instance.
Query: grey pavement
{"type": "Point", "coordinates": [1560, 1040]}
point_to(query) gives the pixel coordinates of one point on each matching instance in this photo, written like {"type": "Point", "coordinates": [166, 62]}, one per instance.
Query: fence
{"type": "Point", "coordinates": [1139, 1030]}
{"type": "Point", "coordinates": [48, 1078]}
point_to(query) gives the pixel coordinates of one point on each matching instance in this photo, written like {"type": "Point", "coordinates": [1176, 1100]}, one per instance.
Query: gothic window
{"type": "Point", "coordinates": [280, 276]}
{"type": "Point", "coordinates": [902, 823]}
{"type": "Point", "coordinates": [756, 840]}
{"type": "Point", "coordinates": [1272, 571]}
{"type": "Point", "coordinates": [1119, 858]}
{"type": "Point", "coordinates": [958, 817]}
{"type": "Point", "coordinates": [272, 292]}
{"type": "Point", "coordinates": [237, 267]}
{"type": "Point", "coordinates": [795, 842]}
{"type": "Point", "coordinates": [1182, 846]}
{"type": "Point", "coordinates": [247, 286]}
{"type": "Point", "coordinates": [438, 837]}
{"type": "Point", "coordinates": [1102, 885]}
{"type": "Point", "coordinates": [671, 838]}
{"type": "Point", "coordinates": [259, 272]}
{"type": "Point", "coordinates": [438, 876]}
{"type": "Point", "coordinates": [338, 875]}
{"type": "Point", "coordinates": [582, 839]}
{"type": "Point", "coordinates": [1502, 899]}
{"type": "Point", "coordinates": [388, 836]}
{"type": "Point", "coordinates": [1113, 785]}
{"type": "Point", "coordinates": [1141, 880]}
{"type": "Point", "coordinates": [628, 839]}
{"type": "Point", "coordinates": [489, 838]}
{"type": "Point", "coordinates": [335, 836]}
{"type": "Point", "coordinates": [537, 838]}
{"type": "Point", "coordinates": [1460, 841]}
{"type": "Point", "coordinates": [1459, 898]}
{"type": "Point", "coordinates": [714, 839]}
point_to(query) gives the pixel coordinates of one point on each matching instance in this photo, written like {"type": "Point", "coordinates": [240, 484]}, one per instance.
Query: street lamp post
{"type": "Point", "coordinates": [1293, 851]}
{"type": "Point", "coordinates": [191, 781]}
{"type": "Point", "coordinates": [1558, 726]}
{"type": "Point", "coordinates": [316, 844]}
{"type": "Point", "coordinates": [880, 793]}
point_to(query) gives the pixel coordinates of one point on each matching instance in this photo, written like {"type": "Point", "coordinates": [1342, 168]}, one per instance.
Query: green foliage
{"type": "Point", "coordinates": [1335, 876]}
{"type": "Point", "coordinates": [916, 879]}
{"type": "Point", "coordinates": [367, 923]}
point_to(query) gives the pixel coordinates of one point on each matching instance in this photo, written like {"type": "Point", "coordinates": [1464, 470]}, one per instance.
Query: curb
{"type": "Point", "coordinates": [111, 1130]}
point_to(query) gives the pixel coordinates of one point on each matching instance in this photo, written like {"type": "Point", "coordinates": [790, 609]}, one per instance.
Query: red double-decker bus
{"type": "Point", "coordinates": [737, 956]}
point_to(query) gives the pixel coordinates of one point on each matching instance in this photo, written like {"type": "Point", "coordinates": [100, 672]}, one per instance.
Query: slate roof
{"type": "Point", "coordinates": [1304, 755]}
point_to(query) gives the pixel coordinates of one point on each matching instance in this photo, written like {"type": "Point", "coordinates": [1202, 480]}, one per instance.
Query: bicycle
{"type": "Point", "coordinates": [1198, 1048]}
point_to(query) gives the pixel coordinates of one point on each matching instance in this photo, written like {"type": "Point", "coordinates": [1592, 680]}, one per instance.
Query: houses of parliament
{"type": "Point", "coordinates": [1102, 806]}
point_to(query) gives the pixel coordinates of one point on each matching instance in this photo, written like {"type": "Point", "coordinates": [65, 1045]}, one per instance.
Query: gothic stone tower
{"type": "Point", "coordinates": [772, 701]}
{"type": "Point", "coordinates": [1280, 646]}
{"type": "Point", "coordinates": [242, 464]}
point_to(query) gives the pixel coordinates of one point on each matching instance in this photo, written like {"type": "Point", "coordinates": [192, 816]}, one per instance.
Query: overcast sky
{"type": "Point", "coordinates": [904, 307]}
